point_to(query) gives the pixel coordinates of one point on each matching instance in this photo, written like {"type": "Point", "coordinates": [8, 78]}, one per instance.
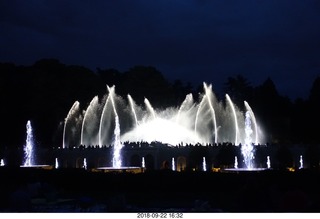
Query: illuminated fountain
{"type": "Point", "coordinates": [173, 164]}
{"type": "Point", "coordinates": [235, 162]}
{"type": "Point", "coordinates": [143, 164]}
{"type": "Point", "coordinates": [29, 147]}
{"type": "Point", "coordinates": [56, 165]}
{"type": "Point", "coordinates": [85, 163]}
{"type": "Point", "coordinates": [268, 162]}
{"type": "Point", "coordinates": [29, 153]}
{"type": "Point", "coordinates": [1, 163]}
{"type": "Point", "coordinates": [301, 162]}
{"type": "Point", "coordinates": [204, 164]}
{"type": "Point", "coordinates": [247, 149]}
{"type": "Point", "coordinates": [208, 121]}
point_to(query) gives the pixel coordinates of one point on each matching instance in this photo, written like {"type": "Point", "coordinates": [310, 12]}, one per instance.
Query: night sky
{"type": "Point", "coordinates": [191, 40]}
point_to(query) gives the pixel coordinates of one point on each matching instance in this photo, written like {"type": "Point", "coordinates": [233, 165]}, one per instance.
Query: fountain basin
{"type": "Point", "coordinates": [237, 170]}
{"type": "Point", "coordinates": [119, 169]}
{"type": "Point", "coordinates": [46, 167]}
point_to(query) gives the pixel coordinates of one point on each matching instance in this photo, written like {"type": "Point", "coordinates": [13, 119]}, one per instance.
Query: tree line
{"type": "Point", "coordinates": [45, 91]}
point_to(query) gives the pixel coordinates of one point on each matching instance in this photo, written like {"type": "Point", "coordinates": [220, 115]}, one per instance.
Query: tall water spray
{"type": "Point", "coordinates": [1, 162]}
{"type": "Point", "coordinates": [29, 147]}
{"type": "Point", "coordinates": [89, 126]}
{"type": "Point", "coordinates": [56, 164]}
{"type": "Point", "coordinates": [235, 119]}
{"type": "Point", "coordinates": [117, 145]}
{"type": "Point", "coordinates": [186, 105]}
{"type": "Point", "coordinates": [301, 162]}
{"type": "Point", "coordinates": [173, 165]}
{"type": "Point", "coordinates": [268, 162]}
{"type": "Point", "coordinates": [132, 105]}
{"type": "Point", "coordinates": [208, 92]}
{"type": "Point", "coordinates": [204, 164]}
{"type": "Point", "coordinates": [149, 106]}
{"type": "Point", "coordinates": [72, 112]}
{"type": "Point", "coordinates": [193, 122]}
{"type": "Point", "coordinates": [235, 162]}
{"type": "Point", "coordinates": [253, 119]}
{"type": "Point", "coordinates": [247, 148]}
{"type": "Point", "coordinates": [85, 163]}
{"type": "Point", "coordinates": [143, 164]}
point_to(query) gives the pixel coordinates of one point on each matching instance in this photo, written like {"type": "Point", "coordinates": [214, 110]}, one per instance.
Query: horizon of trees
{"type": "Point", "coordinates": [45, 91]}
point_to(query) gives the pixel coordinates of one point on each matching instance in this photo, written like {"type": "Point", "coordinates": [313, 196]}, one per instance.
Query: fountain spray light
{"type": "Point", "coordinates": [204, 164]}
{"type": "Point", "coordinates": [117, 145]}
{"type": "Point", "coordinates": [143, 164]}
{"type": "Point", "coordinates": [85, 163]}
{"type": "Point", "coordinates": [173, 164]}
{"type": "Point", "coordinates": [235, 119]}
{"type": "Point", "coordinates": [247, 148]}
{"type": "Point", "coordinates": [235, 162]}
{"type": "Point", "coordinates": [56, 163]}
{"type": "Point", "coordinates": [28, 149]}
{"type": "Point", "coordinates": [301, 162]}
{"type": "Point", "coordinates": [268, 162]}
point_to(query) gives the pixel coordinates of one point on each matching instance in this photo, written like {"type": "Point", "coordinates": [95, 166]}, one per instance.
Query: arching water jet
{"type": "Point", "coordinates": [73, 110]}
{"type": "Point", "coordinates": [253, 118]}
{"type": "Point", "coordinates": [235, 120]}
{"type": "Point", "coordinates": [132, 105]}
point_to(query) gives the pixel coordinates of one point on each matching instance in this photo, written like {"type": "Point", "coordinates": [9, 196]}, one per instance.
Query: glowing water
{"type": "Point", "coordinates": [268, 162]}
{"type": "Point", "coordinates": [253, 118]}
{"type": "Point", "coordinates": [28, 148]}
{"type": "Point", "coordinates": [301, 162]}
{"type": "Point", "coordinates": [235, 162]}
{"type": "Point", "coordinates": [87, 131]}
{"type": "Point", "coordinates": [198, 114]}
{"type": "Point", "coordinates": [186, 105]}
{"type": "Point", "coordinates": [143, 164]}
{"type": "Point", "coordinates": [191, 122]}
{"type": "Point", "coordinates": [173, 164]}
{"type": "Point", "coordinates": [149, 106]}
{"type": "Point", "coordinates": [204, 164]}
{"type": "Point", "coordinates": [56, 165]}
{"type": "Point", "coordinates": [1, 162]}
{"type": "Point", "coordinates": [235, 119]}
{"type": "Point", "coordinates": [247, 148]}
{"type": "Point", "coordinates": [132, 104]}
{"type": "Point", "coordinates": [117, 145]}
{"type": "Point", "coordinates": [85, 163]}
{"type": "Point", "coordinates": [72, 112]}
{"type": "Point", "coordinates": [102, 120]}
{"type": "Point", "coordinates": [208, 91]}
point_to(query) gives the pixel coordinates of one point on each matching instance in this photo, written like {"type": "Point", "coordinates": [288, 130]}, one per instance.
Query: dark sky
{"type": "Point", "coordinates": [191, 40]}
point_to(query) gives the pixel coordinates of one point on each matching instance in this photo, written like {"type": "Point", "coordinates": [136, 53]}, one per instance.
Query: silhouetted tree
{"type": "Point", "coordinates": [239, 89]}
{"type": "Point", "coordinates": [273, 111]}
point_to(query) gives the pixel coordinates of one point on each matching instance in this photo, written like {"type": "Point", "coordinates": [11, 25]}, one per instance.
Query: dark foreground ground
{"type": "Point", "coordinates": [77, 190]}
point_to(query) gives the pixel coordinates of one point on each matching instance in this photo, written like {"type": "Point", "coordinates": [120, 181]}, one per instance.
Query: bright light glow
{"type": "Point", "coordinates": [161, 130]}
{"type": "Point", "coordinates": [56, 163]}
{"type": "Point", "coordinates": [247, 148]}
{"type": "Point", "coordinates": [235, 162]}
{"type": "Point", "coordinates": [204, 122]}
{"type": "Point", "coordinates": [173, 164]}
{"type": "Point", "coordinates": [301, 162]}
{"type": "Point", "coordinates": [268, 162]}
{"type": "Point", "coordinates": [28, 148]}
{"type": "Point", "coordinates": [85, 163]}
{"type": "Point", "coordinates": [143, 164]}
{"type": "Point", "coordinates": [204, 164]}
